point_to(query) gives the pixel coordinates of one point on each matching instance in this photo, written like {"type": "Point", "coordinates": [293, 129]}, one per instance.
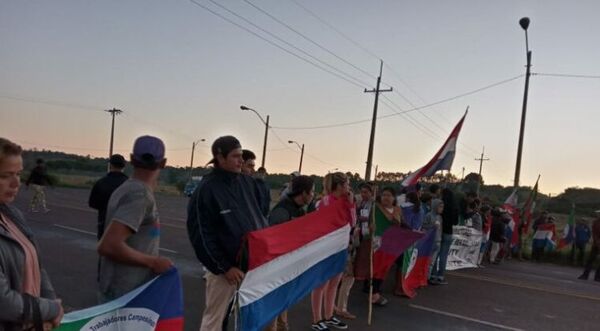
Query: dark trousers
{"type": "Point", "coordinates": [590, 262]}
{"type": "Point", "coordinates": [579, 252]}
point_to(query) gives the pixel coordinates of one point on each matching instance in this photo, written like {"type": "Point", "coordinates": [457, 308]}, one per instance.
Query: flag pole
{"type": "Point", "coordinates": [372, 235]}
{"type": "Point", "coordinates": [371, 268]}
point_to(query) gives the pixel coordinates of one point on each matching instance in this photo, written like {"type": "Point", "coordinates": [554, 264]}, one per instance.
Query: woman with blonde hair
{"type": "Point", "coordinates": [27, 299]}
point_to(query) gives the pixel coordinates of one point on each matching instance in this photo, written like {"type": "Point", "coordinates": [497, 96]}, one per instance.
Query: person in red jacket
{"type": "Point", "coordinates": [594, 252]}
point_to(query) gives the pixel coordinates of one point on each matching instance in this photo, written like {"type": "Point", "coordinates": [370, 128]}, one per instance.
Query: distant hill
{"type": "Point", "coordinates": [78, 170]}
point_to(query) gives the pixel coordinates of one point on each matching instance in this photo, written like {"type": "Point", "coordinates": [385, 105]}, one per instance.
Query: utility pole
{"type": "Point", "coordinates": [113, 112]}
{"type": "Point", "coordinates": [524, 22]}
{"type": "Point", "coordinates": [481, 159]}
{"type": "Point", "coordinates": [376, 171]}
{"type": "Point", "coordinates": [463, 174]}
{"type": "Point", "coordinates": [192, 158]}
{"type": "Point", "coordinates": [377, 90]}
{"type": "Point", "coordinates": [262, 164]}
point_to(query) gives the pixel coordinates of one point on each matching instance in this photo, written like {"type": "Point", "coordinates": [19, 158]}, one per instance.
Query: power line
{"type": "Point", "coordinates": [310, 40]}
{"type": "Point", "coordinates": [462, 95]}
{"type": "Point", "coordinates": [366, 50]}
{"type": "Point", "coordinates": [51, 102]}
{"type": "Point", "coordinates": [286, 42]}
{"type": "Point", "coordinates": [565, 75]}
{"type": "Point", "coordinates": [273, 43]}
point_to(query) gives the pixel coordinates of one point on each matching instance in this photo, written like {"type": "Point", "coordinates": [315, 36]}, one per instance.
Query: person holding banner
{"type": "Point", "coordinates": [129, 248]}
{"type": "Point", "coordinates": [224, 208]}
{"type": "Point", "coordinates": [433, 221]}
{"type": "Point", "coordinates": [27, 299]}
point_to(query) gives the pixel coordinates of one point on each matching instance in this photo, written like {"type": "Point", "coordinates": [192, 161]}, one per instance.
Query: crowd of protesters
{"type": "Point", "coordinates": [229, 202]}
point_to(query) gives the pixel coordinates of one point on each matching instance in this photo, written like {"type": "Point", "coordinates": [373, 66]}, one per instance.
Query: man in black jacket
{"type": "Point", "coordinates": [38, 179]}
{"type": "Point", "coordinates": [104, 187]}
{"type": "Point", "coordinates": [223, 209]}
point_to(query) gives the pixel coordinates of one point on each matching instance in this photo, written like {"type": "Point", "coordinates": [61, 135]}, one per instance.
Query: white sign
{"type": "Point", "coordinates": [465, 248]}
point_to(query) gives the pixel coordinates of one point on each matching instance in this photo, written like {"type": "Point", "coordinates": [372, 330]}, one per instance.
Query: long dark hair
{"type": "Point", "coordinates": [391, 191]}
{"type": "Point", "coordinates": [413, 198]}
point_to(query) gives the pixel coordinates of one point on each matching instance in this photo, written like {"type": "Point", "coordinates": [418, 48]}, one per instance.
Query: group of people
{"type": "Point", "coordinates": [229, 202]}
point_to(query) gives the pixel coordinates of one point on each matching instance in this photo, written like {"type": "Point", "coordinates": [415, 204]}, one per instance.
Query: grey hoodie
{"type": "Point", "coordinates": [433, 220]}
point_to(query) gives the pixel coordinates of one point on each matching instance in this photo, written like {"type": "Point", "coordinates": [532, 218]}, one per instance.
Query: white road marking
{"type": "Point", "coordinates": [525, 286]}
{"type": "Point", "coordinates": [465, 318]}
{"type": "Point", "coordinates": [74, 229]}
{"type": "Point", "coordinates": [88, 210]}
{"type": "Point", "coordinates": [93, 234]}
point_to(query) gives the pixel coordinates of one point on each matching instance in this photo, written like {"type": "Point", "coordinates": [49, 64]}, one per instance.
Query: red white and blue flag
{"type": "Point", "coordinates": [442, 160]}
{"type": "Point", "coordinates": [510, 205]}
{"type": "Point", "coordinates": [154, 306]}
{"type": "Point", "coordinates": [289, 260]}
{"type": "Point", "coordinates": [416, 264]}
{"type": "Point", "coordinates": [544, 236]}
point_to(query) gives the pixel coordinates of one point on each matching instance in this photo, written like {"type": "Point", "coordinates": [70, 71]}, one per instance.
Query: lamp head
{"type": "Point", "coordinates": [524, 23]}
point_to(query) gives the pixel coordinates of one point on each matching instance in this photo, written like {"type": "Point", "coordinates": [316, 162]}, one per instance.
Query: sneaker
{"type": "Point", "coordinates": [442, 281]}
{"type": "Point", "coordinates": [319, 326]}
{"type": "Point", "coordinates": [433, 281]}
{"type": "Point", "coordinates": [584, 276]}
{"type": "Point", "coordinates": [336, 323]}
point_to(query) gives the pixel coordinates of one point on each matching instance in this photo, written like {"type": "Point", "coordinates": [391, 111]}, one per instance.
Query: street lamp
{"type": "Point", "coordinates": [301, 153]}
{"type": "Point", "coordinates": [266, 123]}
{"type": "Point", "coordinates": [524, 23]}
{"type": "Point", "coordinates": [192, 159]}
{"type": "Point", "coordinates": [334, 169]}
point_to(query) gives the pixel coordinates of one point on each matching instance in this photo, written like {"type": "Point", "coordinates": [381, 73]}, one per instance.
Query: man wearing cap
{"type": "Point", "coordinates": [129, 246]}
{"type": "Point", "coordinates": [223, 209]}
{"type": "Point", "coordinates": [104, 187]}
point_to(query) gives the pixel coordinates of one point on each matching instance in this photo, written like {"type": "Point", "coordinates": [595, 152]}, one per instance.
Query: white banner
{"type": "Point", "coordinates": [464, 251]}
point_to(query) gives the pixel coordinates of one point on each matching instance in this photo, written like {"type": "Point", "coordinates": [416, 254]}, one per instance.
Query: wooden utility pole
{"type": "Point", "coordinates": [481, 159]}
{"type": "Point", "coordinates": [377, 90]}
{"type": "Point", "coordinates": [113, 112]}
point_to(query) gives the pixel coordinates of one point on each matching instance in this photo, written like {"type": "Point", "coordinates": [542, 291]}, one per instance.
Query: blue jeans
{"type": "Point", "coordinates": [439, 266]}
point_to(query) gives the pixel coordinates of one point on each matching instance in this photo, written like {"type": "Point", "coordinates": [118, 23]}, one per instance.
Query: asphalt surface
{"type": "Point", "coordinates": [511, 296]}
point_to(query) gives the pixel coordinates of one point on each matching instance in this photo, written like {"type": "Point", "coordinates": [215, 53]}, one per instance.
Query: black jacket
{"type": "Point", "coordinates": [265, 196]}
{"type": "Point", "coordinates": [38, 176]}
{"type": "Point", "coordinates": [498, 230]}
{"type": "Point", "coordinates": [101, 193]}
{"type": "Point", "coordinates": [450, 213]}
{"type": "Point", "coordinates": [285, 210]}
{"type": "Point", "coordinates": [223, 209]}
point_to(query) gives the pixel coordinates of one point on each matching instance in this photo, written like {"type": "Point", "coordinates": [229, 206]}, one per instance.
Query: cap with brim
{"type": "Point", "coordinates": [223, 146]}
{"type": "Point", "coordinates": [117, 160]}
{"type": "Point", "coordinates": [148, 151]}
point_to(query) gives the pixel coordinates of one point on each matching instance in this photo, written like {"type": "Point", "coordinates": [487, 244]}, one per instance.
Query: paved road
{"type": "Point", "coordinates": [512, 296]}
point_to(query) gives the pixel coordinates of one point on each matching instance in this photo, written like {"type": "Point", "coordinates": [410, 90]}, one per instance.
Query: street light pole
{"type": "Point", "coordinates": [192, 158]}
{"type": "Point", "coordinates": [266, 123]}
{"type": "Point", "coordinates": [301, 153]}
{"type": "Point", "coordinates": [524, 23]}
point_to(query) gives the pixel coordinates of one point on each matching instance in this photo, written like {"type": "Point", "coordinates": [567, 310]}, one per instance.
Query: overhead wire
{"type": "Point", "coordinates": [565, 75]}
{"type": "Point", "coordinates": [287, 43]}
{"type": "Point", "coordinates": [272, 43]}
{"type": "Point", "coordinates": [365, 72]}
{"type": "Point", "coordinates": [445, 100]}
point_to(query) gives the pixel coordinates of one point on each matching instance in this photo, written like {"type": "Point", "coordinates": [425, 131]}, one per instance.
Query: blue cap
{"type": "Point", "coordinates": [148, 151]}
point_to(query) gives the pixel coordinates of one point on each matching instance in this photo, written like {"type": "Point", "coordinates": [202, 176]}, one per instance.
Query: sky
{"type": "Point", "coordinates": [180, 72]}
